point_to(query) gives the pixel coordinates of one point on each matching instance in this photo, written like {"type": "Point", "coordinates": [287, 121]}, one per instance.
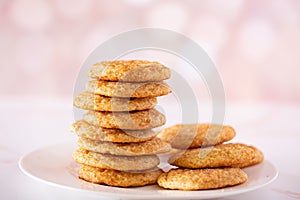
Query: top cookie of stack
{"type": "Point", "coordinates": [116, 133]}
{"type": "Point", "coordinates": [130, 71]}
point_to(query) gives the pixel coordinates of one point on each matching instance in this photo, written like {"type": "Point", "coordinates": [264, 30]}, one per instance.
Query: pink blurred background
{"type": "Point", "coordinates": [254, 43]}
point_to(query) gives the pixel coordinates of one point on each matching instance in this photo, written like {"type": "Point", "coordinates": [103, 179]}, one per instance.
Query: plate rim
{"type": "Point", "coordinates": [176, 195]}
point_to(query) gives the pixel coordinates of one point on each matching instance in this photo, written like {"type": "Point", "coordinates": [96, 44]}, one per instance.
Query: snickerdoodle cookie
{"type": "Point", "coordinates": [129, 90]}
{"type": "Point", "coordinates": [129, 71]}
{"type": "Point", "coordinates": [222, 155]}
{"type": "Point", "coordinates": [135, 120]}
{"type": "Point", "coordinates": [90, 101]}
{"type": "Point", "coordinates": [118, 178]}
{"type": "Point", "coordinates": [86, 130]}
{"type": "Point", "coordinates": [149, 147]}
{"type": "Point", "coordinates": [121, 163]}
{"type": "Point", "coordinates": [199, 179]}
{"type": "Point", "coordinates": [183, 136]}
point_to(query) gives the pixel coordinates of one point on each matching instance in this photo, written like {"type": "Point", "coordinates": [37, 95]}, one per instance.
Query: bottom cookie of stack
{"type": "Point", "coordinates": [118, 178]}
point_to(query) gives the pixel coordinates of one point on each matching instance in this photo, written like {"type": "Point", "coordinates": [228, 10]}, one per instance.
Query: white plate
{"type": "Point", "coordinates": [53, 165]}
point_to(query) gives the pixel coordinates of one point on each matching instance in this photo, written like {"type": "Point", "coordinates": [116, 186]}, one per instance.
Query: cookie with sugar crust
{"type": "Point", "coordinates": [118, 178]}
{"type": "Point", "coordinates": [121, 163]}
{"type": "Point", "coordinates": [201, 179]}
{"type": "Point", "coordinates": [222, 155]}
{"type": "Point", "coordinates": [86, 130]}
{"type": "Point", "coordinates": [90, 101]}
{"type": "Point", "coordinates": [128, 90]}
{"type": "Point", "coordinates": [136, 120]}
{"type": "Point", "coordinates": [150, 147]}
{"type": "Point", "coordinates": [129, 71]}
{"type": "Point", "coordinates": [183, 136]}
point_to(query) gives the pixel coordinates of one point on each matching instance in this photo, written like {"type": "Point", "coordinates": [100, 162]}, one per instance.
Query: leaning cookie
{"type": "Point", "coordinates": [129, 90]}
{"type": "Point", "coordinates": [90, 101]}
{"type": "Point", "coordinates": [183, 136]}
{"type": "Point", "coordinates": [129, 71]}
{"type": "Point", "coordinates": [154, 146]}
{"type": "Point", "coordinates": [86, 130]}
{"type": "Point", "coordinates": [118, 178]}
{"type": "Point", "coordinates": [121, 163]}
{"type": "Point", "coordinates": [136, 120]}
{"type": "Point", "coordinates": [199, 179]}
{"type": "Point", "coordinates": [223, 155]}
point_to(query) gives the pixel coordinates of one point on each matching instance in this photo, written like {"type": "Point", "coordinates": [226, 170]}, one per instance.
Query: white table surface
{"type": "Point", "coordinates": [30, 123]}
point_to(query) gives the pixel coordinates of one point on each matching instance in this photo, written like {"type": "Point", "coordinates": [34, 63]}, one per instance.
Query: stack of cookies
{"type": "Point", "coordinates": [205, 162]}
{"type": "Point", "coordinates": [117, 145]}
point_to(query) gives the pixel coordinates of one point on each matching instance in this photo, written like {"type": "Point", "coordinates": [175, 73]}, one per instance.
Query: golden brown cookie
{"type": "Point", "coordinates": [129, 90]}
{"type": "Point", "coordinates": [90, 101]}
{"type": "Point", "coordinates": [129, 71]}
{"type": "Point", "coordinates": [118, 178]}
{"type": "Point", "coordinates": [86, 130]}
{"type": "Point", "coordinates": [136, 120]}
{"type": "Point", "coordinates": [223, 155]}
{"type": "Point", "coordinates": [199, 179]}
{"type": "Point", "coordinates": [258, 158]}
{"type": "Point", "coordinates": [153, 146]}
{"type": "Point", "coordinates": [121, 163]}
{"type": "Point", "coordinates": [184, 136]}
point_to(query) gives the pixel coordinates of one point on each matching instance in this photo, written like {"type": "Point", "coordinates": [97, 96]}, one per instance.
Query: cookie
{"type": "Point", "coordinates": [258, 158]}
{"type": "Point", "coordinates": [153, 146]}
{"type": "Point", "coordinates": [136, 120]}
{"type": "Point", "coordinates": [201, 179]}
{"type": "Point", "coordinates": [89, 101]}
{"type": "Point", "coordinates": [223, 155]}
{"type": "Point", "coordinates": [182, 136]}
{"type": "Point", "coordinates": [121, 163]}
{"type": "Point", "coordinates": [86, 130]}
{"type": "Point", "coordinates": [118, 178]}
{"type": "Point", "coordinates": [129, 71]}
{"type": "Point", "coordinates": [129, 90]}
